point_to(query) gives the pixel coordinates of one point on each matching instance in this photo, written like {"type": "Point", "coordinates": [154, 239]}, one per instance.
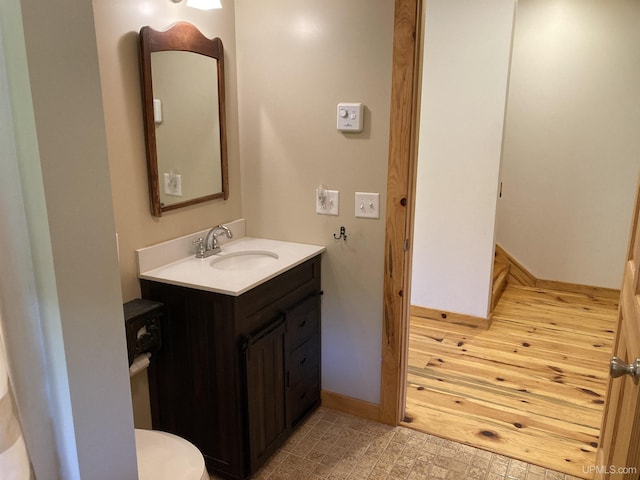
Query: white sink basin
{"type": "Point", "coordinates": [243, 264]}
{"type": "Point", "coordinates": [244, 260]}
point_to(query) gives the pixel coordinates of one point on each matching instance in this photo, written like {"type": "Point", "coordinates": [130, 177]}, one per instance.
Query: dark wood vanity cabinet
{"type": "Point", "coordinates": [236, 375]}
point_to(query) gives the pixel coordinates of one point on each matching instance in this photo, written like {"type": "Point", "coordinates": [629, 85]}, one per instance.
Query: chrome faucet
{"type": "Point", "coordinates": [211, 245]}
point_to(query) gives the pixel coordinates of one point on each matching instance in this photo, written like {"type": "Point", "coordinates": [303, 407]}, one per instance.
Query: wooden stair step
{"type": "Point", "coordinates": [500, 274]}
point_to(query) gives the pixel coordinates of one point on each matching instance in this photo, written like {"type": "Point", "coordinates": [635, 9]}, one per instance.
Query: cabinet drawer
{"type": "Point", "coordinates": [303, 321]}
{"type": "Point", "coordinates": [304, 361]}
{"type": "Point", "coordinates": [302, 277]}
{"type": "Point", "coordinates": [303, 397]}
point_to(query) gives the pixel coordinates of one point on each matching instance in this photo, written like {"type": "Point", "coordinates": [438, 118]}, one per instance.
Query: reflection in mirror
{"type": "Point", "coordinates": [183, 97]}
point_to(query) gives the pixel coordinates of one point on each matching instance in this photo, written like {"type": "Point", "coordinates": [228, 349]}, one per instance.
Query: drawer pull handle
{"type": "Point", "coordinates": [303, 395]}
{"type": "Point", "coordinates": [302, 323]}
{"type": "Point", "coordinates": [303, 360]}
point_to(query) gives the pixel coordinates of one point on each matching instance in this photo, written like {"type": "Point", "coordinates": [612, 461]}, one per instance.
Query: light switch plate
{"type": "Point", "coordinates": [367, 205]}
{"type": "Point", "coordinates": [328, 206]}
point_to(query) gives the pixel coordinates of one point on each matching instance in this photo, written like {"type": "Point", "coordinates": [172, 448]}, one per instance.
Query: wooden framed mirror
{"type": "Point", "coordinates": [182, 74]}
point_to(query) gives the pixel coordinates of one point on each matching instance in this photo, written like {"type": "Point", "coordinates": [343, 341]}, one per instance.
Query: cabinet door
{"type": "Point", "coordinates": [264, 355]}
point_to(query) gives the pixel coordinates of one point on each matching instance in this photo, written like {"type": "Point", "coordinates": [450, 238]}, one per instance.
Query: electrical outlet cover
{"type": "Point", "coordinates": [330, 204]}
{"type": "Point", "coordinates": [173, 184]}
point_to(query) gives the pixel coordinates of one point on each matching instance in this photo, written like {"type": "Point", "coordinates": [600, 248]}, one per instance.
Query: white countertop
{"type": "Point", "coordinates": [199, 273]}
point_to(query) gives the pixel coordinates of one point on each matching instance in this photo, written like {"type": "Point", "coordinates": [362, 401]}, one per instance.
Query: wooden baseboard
{"type": "Point", "coordinates": [519, 275]}
{"type": "Point", "coordinates": [611, 293]}
{"type": "Point", "coordinates": [457, 318]}
{"type": "Point", "coordinates": [350, 405]}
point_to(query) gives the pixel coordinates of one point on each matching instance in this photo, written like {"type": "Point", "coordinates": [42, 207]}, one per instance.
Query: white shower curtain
{"type": "Point", "coordinates": [14, 459]}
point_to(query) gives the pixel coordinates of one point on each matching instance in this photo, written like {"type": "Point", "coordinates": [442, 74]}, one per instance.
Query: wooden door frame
{"type": "Point", "coordinates": [405, 90]}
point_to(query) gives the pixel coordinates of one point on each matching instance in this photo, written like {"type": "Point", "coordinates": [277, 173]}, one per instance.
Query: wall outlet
{"type": "Point", "coordinates": [173, 184]}
{"type": "Point", "coordinates": [367, 205]}
{"type": "Point", "coordinates": [327, 202]}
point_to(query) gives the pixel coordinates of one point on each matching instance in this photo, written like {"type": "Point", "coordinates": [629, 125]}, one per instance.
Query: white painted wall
{"type": "Point", "coordinates": [572, 146]}
{"type": "Point", "coordinates": [467, 49]}
{"type": "Point", "coordinates": [297, 59]}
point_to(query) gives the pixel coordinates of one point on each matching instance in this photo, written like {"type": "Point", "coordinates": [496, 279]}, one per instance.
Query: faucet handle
{"type": "Point", "coordinates": [199, 243]}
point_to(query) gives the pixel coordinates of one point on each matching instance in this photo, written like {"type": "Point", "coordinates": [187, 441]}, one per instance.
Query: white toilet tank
{"type": "Point", "coordinates": [163, 456]}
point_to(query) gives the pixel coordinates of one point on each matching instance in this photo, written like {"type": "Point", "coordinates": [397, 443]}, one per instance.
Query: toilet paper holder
{"type": "Point", "coordinates": [142, 320]}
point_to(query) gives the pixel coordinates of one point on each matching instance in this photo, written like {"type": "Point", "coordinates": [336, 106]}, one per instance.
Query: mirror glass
{"type": "Point", "coordinates": [183, 96]}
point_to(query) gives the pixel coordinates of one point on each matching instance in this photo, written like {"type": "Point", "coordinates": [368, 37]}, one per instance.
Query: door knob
{"type": "Point", "coordinates": [617, 368]}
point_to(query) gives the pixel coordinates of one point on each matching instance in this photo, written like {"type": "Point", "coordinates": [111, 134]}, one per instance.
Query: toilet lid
{"type": "Point", "coordinates": [163, 456]}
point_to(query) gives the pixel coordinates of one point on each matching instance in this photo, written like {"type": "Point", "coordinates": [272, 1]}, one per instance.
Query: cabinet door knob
{"type": "Point", "coordinates": [618, 368]}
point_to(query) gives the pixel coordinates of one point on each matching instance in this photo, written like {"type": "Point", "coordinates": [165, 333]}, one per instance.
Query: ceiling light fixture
{"type": "Point", "coordinates": [202, 4]}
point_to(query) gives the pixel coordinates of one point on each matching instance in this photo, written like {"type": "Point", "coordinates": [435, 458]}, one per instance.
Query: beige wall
{"type": "Point", "coordinates": [117, 25]}
{"type": "Point", "coordinates": [297, 59]}
{"type": "Point", "coordinates": [571, 146]}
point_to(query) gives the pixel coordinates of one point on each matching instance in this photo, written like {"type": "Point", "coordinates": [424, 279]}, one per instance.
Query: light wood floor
{"type": "Point", "coordinates": [531, 387]}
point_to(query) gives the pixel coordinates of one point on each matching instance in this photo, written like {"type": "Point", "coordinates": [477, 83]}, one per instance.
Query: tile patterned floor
{"type": "Point", "coordinates": [332, 445]}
